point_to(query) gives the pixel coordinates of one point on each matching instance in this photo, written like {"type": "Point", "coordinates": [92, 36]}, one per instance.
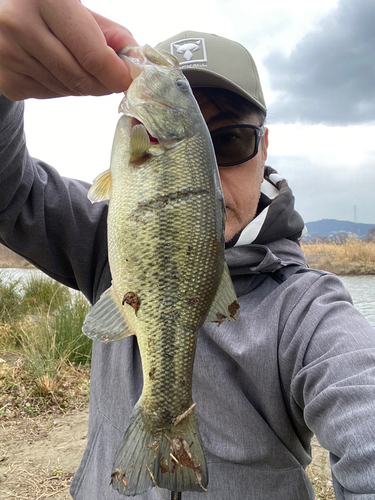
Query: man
{"type": "Point", "coordinates": [299, 360]}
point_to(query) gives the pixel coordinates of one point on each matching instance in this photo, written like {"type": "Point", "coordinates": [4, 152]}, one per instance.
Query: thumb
{"type": "Point", "coordinates": [116, 35]}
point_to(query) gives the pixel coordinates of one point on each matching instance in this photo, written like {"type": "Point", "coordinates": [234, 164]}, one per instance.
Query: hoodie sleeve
{"type": "Point", "coordinates": [327, 362]}
{"type": "Point", "coordinates": [44, 217]}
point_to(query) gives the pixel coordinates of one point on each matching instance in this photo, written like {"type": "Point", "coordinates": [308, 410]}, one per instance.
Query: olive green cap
{"type": "Point", "coordinates": [213, 61]}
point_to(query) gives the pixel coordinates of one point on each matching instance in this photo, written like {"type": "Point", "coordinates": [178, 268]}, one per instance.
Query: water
{"type": "Point", "coordinates": [9, 274]}
{"type": "Point", "coordinates": [13, 274]}
{"type": "Point", "coordinates": [361, 288]}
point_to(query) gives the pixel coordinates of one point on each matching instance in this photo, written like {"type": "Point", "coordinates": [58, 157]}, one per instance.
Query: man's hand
{"type": "Point", "coordinates": [53, 48]}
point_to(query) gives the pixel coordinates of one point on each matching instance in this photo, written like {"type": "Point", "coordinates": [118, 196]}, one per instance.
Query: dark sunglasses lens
{"type": "Point", "coordinates": [233, 144]}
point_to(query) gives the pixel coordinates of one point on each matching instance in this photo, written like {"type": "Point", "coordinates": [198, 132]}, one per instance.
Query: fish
{"type": "Point", "coordinates": [166, 221]}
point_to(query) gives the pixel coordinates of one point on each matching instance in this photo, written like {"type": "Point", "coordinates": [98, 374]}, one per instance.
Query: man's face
{"type": "Point", "coordinates": [240, 183]}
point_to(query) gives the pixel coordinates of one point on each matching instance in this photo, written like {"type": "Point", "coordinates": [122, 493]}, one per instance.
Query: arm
{"type": "Point", "coordinates": [331, 388]}
{"type": "Point", "coordinates": [46, 218]}
{"type": "Point", "coordinates": [58, 48]}
{"type": "Point", "coordinates": [52, 49]}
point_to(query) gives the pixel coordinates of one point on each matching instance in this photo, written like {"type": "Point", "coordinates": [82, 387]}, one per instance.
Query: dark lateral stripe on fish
{"type": "Point", "coordinates": [161, 201]}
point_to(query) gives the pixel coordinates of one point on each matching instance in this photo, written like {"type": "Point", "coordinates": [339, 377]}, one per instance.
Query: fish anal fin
{"type": "Point", "coordinates": [139, 143]}
{"type": "Point", "coordinates": [101, 188]}
{"type": "Point", "coordinates": [106, 320]}
{"type": "Point", "coordinates": [224, 306]}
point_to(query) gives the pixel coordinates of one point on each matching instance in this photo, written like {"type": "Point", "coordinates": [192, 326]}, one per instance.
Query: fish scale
{"type": "Point", "coordinates": [166, 254]}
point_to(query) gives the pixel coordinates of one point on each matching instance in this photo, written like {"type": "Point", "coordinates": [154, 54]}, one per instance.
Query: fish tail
{"type": "Point", "coordinates": [170, 458]}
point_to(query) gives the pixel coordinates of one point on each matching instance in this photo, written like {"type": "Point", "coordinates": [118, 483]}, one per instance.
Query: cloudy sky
{"type": "Point", "coordinates": [317, 65]}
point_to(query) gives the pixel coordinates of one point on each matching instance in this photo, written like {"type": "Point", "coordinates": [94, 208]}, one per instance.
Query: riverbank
{"type": "Point", "coordinates": [354, 257]}
{"type": "Point", "coordinates": [42, 439]}
{"type": "Point", "coordinates": [11, 259]}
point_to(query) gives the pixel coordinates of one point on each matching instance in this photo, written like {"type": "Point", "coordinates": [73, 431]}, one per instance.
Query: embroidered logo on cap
{"type": "Point", "coordinates": [189, 51]}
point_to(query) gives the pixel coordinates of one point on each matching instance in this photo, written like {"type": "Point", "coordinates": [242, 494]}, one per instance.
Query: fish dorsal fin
{"type": "Point", "coordinates": [224, 306]}
{"type": "Point", "coordinates": [139, 143]}
{"type": "Point", "coordinates": [106, 319]}
{"type": "Point", "coordinates": [101, 188]}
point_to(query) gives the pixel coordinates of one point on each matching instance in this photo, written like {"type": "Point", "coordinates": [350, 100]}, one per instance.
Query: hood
{"type": "Point", "coordinates": [271, 240]}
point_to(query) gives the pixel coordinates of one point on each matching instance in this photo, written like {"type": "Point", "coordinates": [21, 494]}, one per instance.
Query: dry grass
{"type": "Point", "coordinates": [37, 483]}
{"type": "Point", "coordinates": [19, 396]}
{"type": "Point", "coordinates": [319, 472]}
{"type": "Point", "coordinates": [352, 257]}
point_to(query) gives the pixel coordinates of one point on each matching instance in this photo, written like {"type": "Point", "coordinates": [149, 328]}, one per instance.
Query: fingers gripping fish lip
{"type": "Point", "coordinates": [159, 97]}
{"type": "Point", "coordinates": [137, 60]}
{"type": "Point", "coordinates": [139, 56]}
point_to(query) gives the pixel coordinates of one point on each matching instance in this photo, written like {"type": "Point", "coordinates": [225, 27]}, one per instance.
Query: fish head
{"type": "Point", "coordinates": [160, 96]}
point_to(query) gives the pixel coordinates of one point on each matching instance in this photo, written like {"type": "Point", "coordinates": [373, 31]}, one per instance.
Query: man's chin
{"type": "Point", "coordinates": [230, 234]}
{"type": "Point", "coordinates": [232, 225]}
{"type": "Point", "coordinates": [235, 223]}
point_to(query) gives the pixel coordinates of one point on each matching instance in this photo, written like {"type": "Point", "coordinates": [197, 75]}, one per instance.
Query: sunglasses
{"type": "Point", "coordinates": [236, 144]}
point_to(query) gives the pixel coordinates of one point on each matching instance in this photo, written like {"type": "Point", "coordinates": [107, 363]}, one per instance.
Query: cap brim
{"type": "Point", "coordinates": [201, 77]}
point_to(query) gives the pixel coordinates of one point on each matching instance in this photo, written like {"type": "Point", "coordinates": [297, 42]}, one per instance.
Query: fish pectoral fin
{"type": "Point", "coordinates": [224, 306]}
{"type": "Point", "coordinates": [139, 143]}
{"type": "Point", "coordinates": [101, 188]}
{"type": "Point", "coordinates": [106, 319]}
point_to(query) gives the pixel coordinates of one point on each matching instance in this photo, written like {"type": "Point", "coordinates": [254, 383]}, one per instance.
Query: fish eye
{"type": "Point", "coordinates": [182, 85]}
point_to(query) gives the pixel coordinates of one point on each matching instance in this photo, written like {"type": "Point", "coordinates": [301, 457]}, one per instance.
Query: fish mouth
{"type": "Point", "coordinates": [153, 140]}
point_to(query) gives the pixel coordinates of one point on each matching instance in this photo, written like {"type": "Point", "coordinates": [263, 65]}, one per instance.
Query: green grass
{"type": "Point", "coordinates": [10, 301]}
{"type": "Point", "coordinates": [43, 294]}
{"type": "Point", "coordinates": [41, 321]}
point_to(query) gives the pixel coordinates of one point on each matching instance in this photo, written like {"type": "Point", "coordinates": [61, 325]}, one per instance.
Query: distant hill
{"type": "Point", "coordinates": [326, 227]}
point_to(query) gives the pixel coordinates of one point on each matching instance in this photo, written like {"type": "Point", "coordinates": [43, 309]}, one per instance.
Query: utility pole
{"type": "Point", "coordinates": [355, 219]}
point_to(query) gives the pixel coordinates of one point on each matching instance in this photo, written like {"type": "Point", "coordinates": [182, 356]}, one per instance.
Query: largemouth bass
{"type": "Point", "coordinates": [166, 221]}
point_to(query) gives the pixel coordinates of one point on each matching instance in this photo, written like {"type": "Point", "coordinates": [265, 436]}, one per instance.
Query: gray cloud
{"type": "Point", "coordinates": [326, 192]}
{"type": "Point", "coordinates": [330, 75]}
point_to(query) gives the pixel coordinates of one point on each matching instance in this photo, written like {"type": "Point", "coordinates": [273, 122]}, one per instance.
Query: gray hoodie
{"type": "Point", "coordinates": [299, 360]}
